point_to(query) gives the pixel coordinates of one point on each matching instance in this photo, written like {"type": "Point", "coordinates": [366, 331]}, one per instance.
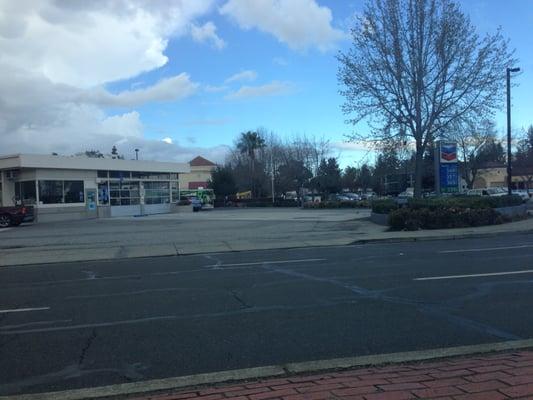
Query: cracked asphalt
{"type": "Point", "coordinates": [77, 325]}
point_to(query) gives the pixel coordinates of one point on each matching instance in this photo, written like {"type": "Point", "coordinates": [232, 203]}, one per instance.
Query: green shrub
{"type": "Point", "coordinates": [465, 202]}
{"type": "Point", "coordinates": [384, 206]}
{"type": "Point", "coordinates": [407, 218]}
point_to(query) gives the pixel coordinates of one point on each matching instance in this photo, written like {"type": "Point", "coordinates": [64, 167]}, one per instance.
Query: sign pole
{"type": "Point", "coordinates": [437, 167]}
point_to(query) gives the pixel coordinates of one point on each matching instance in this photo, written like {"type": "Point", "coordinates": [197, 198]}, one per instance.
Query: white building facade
{"type": "Point", "coordinates": [69, 188]}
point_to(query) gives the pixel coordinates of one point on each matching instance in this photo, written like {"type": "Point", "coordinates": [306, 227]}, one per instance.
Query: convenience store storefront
{"type": "Point", "coordinates": [68, 188]}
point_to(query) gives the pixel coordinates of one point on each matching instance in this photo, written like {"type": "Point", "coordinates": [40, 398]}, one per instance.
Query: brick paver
{"type": "Point", "coordinates": [488, 377]}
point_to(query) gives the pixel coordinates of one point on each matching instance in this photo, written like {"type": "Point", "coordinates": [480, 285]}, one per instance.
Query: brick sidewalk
{"type": "Point", "coordinates": [483, 377]}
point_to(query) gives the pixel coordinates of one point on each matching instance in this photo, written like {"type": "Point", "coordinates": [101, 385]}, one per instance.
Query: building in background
{"type": "Point", "coordinates": [69, 188]}
{"type": "Point", "coordinates": [199, 175]}
{"type": "Point", "coordinates": [494, 174]}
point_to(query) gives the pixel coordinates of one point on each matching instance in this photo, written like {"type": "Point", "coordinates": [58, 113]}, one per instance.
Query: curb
{"type": "Point", "coordinates": [444, 237]}
{"type": "Point", "coordinates": [182, 382]}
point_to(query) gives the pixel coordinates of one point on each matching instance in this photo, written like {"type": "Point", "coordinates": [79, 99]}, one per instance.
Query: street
{"type": "Point", "coordinates": [76, 325]}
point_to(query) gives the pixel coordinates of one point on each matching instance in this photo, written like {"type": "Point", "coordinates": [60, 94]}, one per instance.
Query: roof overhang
{"type": "Point", "coordinates": [86, 163]}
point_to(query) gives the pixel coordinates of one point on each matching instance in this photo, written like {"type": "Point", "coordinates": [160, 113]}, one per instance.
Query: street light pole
{"type": "Point", "coordinates": [136, 154]}
{"type": "Point", "coordinates": [272, 175]}
{"type": "Point", "coordinates": [509, 154]}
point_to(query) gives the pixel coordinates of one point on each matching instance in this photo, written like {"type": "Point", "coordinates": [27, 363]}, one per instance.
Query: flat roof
{"type": "Point", "coordinates": [85, 163]}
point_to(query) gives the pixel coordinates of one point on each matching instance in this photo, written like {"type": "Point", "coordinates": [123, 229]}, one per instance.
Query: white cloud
{"type": "Point", "coordinates": [274, 88]}
{"type": "Point", "coordinates": [247, 75]}
{"type": "Point", "coordinates": [167, 140]}
{"type": "Point", "coordinates": [55, 58]}
{"type": "Point", "coordinates": [85, 44]}
{"type": "Point", "coordinates": [173, 88]}
{"type": "Point", "coordinates": [215, 89]}
{"type": "Point", "coordinates": [207, 33]}
{"type": "Point", "coordinates": [300, 24]}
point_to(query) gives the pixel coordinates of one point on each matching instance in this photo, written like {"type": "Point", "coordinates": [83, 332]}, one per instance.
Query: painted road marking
{"type": "Point", "coordinates": [274, 262]}
{"type": "Point", "coordinates": [523, 246]}
{"type": "Point", "coordinates": [434, 278]}
{"type": "Point", "coordinates": [15, 310]}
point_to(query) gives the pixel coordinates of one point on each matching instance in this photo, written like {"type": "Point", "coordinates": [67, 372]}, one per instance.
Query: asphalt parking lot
{"type": "Point", "coordinates": [223, 228]}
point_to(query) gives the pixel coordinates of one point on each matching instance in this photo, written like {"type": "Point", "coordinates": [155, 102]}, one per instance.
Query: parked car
{"type": "Point", "coordinates": [196, 204]}
{"type": "Point", "coordinates": [14, 216]}
{"type": "Point", "coordinates": [522, 193]}
{"type": "Point", "coordinates": [339, 197]}
{"type": "Point", "coordinates": [494, 192]}
{"type": "Point", "coordinates": [408, 193]}
{"type": "Point", "coordinates": [352, 196]}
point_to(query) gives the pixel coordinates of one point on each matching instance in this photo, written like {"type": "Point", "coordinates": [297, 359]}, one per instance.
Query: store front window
{"type": "Point", "coordinates": [103, 194]}
{"type": "Point", "coordinates": [60, 192]}
{"type": "Point", "coordinates": [73, 191]}
{"type": "Point", "coordinates": [124, 193]}
{"type": "Point", "coordinates": [156, 192]}
{"type": "Point", "coordinates": [175, 191]}
{"type": "Point", "coordinates": [25, 191]}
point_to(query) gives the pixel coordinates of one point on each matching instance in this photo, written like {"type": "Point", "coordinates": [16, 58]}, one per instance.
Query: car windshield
{"type": "Point", "coordinates": [266, 199]}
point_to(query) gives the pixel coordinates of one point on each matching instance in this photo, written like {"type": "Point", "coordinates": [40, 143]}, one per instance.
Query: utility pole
{"type": "Point", "coordinates": [509, 154]}
{"type": "Point", "coordinates": [272, 172]}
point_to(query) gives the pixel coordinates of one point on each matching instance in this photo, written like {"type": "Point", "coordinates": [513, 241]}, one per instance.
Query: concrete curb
{"type": "Point", "coordinates": [271, 371]}
{"type": "Point", "coordinates": [443, 237]}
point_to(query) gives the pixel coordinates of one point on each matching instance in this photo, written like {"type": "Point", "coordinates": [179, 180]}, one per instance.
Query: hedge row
{"type": "Point", "coordinates": [441, 218]}
{"type": "Point", "coordinates": [476, 202]}
{"type": "Point", "coordinates": [462, 202]}
{"type": "Point", "coordinates": [384, 206]}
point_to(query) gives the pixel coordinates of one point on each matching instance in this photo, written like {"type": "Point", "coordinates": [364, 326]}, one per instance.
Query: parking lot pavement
{"type": "Point", "coordinates": [186, 233]}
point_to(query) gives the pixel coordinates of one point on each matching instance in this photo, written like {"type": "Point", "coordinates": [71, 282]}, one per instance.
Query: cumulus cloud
{"type": "Point", "coordinates": [301, 24]}
{"type": "Point", "coordinates": [173, 88]}
{"type": "Point", "coordinates": [207, 33]}
{"type": "Point", "coordinates": [88, 43]}
{"type": "Point", "coordinates": [274, 88]}
{"type": "Point", "coordinates": [247, 75]}
{"type": "Point", "coordinates": [56, 57]}
{"type": "Point", "coordinates": [215, 89]}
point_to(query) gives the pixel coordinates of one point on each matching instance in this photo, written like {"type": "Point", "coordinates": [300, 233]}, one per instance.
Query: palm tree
{"type": "Point", "coordinates": [248, 143]}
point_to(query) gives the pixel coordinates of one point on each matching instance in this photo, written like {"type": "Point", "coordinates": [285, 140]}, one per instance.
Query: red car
{"type": "Point", "coordinates": [14, 216]}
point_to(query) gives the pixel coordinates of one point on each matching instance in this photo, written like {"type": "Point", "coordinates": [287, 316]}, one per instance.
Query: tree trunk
{"type": "Point", "coordinates": [419, 169]}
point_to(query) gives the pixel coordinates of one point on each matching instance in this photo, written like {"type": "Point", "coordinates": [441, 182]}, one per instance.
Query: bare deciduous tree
{"type": "Point", "coordinates": [416, 66]}
{"type": "Point", "coordinates": [473, 139]}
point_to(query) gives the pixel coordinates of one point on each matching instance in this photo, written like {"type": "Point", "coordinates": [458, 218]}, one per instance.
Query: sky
{"type": "Point", "coordinates": [181, 78]}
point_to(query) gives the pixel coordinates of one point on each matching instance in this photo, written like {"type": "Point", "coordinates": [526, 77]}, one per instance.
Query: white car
{"type": "Point", "coordinates": [408, 193]}
{"type": "Point", "coordinates": [494, 192]}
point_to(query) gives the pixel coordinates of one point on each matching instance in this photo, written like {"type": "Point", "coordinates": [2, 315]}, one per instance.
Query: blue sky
{"type": "Point", "coordinates": [289, 84]}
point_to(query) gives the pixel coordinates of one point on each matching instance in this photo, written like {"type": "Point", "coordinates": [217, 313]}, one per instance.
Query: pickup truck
{"type": "Point", "coordinates": [14, 216]}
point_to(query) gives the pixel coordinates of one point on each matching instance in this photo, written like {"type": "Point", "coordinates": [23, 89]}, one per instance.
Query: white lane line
{"type": "Point", "coordinates": [523, 246]}
{"type": "Point", "coordinates": [434, 278]}
{"type": "Point", "coordinates": [15, 310]}
{"type": "Point", "coordinates": [273, 262]}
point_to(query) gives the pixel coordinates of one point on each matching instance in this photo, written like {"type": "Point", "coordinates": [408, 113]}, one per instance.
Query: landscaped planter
{"type": "Point", "coordinates": [380, 219]}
